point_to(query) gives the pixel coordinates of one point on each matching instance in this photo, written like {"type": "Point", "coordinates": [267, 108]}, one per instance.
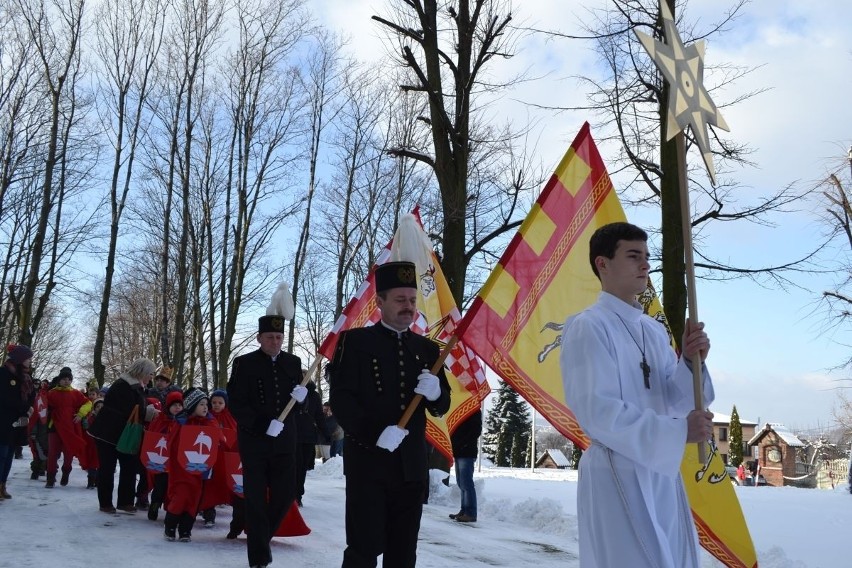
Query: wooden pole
{"type": "Point", "coordinates": [439, 362]}
{"type": "Point", "coordinates": [689, 267]}
{"type": "Point", "coordinates": [308, 374]}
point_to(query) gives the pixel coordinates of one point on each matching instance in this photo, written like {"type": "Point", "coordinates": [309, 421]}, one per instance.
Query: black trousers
{"type": "Point", "coordinates": [382, 517]}
{"type": "Point", "coordinates": [269, 488]}
{"type": "Point", "coordinates": [161, 486]}
{"type": "Point", "coordinates": [305, 458]}
{"type": "Point", "coordinates": [129, 464]}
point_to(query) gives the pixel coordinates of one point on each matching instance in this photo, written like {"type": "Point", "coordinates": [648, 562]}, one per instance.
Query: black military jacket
{"type": "Point", "coordinates": [258, 391]}
{"type": "Point", "coordinates": [372, 379]}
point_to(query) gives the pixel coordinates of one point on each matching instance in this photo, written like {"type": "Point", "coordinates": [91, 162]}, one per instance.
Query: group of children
{"type": "Point", "coordinates": [190, 430]}
{"type": "Point", "coordinates": [185, 482]}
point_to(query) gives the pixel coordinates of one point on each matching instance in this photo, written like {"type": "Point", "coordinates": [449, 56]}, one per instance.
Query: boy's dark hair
{"type": "Point", "coordinates": [605, 240]}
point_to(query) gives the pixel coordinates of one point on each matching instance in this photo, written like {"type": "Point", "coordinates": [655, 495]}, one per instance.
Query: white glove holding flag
{"type": "Point", "coordinates": [275, 427]}
{"type": "Point", "coordinates": [299, 393]}
{"type": "Point", "coordinates": [391, 437]}
{"type": "Point", "coordinates": [428, 385]}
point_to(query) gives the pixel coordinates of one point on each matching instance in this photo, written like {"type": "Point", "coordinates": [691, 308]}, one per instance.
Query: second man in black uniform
{"type": "Point", "coordinates": [375, 374]}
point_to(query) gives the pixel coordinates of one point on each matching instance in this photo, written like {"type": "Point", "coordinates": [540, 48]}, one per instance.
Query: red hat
{"type": "Point", "coordinates": [173, 397]}
{"type": "Point", "coordinates": [155, 402]}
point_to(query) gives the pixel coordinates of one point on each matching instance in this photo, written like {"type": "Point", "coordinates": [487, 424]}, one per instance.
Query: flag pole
{"type": "Point", "coordinates": [308, 374]}
{"type": "Point", "coordinates": [439, 362]}
{"type": "Point", "coordinates": [689, 266]}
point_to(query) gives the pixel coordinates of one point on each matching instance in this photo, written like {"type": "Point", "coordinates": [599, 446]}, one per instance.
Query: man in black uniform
{"type": "Point", "coordinates": [261, 384]}
{"type": "Point", "coordinates": [375, 373]}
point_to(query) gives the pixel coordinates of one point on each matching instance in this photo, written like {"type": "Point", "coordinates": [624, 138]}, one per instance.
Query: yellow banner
{"type": "Point", "coordinates": [438, 319]}
{"type": "Point", "coordinates": [515, 326]}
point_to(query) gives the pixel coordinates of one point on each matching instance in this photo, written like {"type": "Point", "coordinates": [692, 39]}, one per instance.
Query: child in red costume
{"type": "Point", "coordinates": [164, 423]}
{"type": "Point", "coordinates": [217, 492]}
{"type": "Point", "coordinates": [66, 408]}
{"type": "Point", "coordinates": [91, 450]}
{"type": "Point", "coordinates": [186, 487]}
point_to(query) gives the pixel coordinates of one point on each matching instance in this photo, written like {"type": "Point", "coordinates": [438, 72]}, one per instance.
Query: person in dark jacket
{"type": "Point", "coordinates": [125, 393]}
{"type": "Point", "coordinates": [261, 384]}
{"type": "Point", "coordinates": [310, 428]}
{"type": "Point", "coordinates": [332, 446]}
{"type": "Point", "coordinates": [375, 373]}
{"type": "Point", "coordinates": [465, 440]}
{"type": "Point", "coordinates": [16, 398]}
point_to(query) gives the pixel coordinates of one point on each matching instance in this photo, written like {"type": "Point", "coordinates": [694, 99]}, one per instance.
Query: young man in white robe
{"type": "Point", "coordinates": [634, 398]}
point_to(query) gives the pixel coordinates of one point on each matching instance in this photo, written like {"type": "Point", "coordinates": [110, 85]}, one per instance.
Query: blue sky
{"type": "Point", "coordinates": [771, 355]}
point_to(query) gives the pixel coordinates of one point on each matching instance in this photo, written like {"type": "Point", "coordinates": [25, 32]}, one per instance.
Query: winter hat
{"type": "Point", "coordinates": [220, 392]}
{"type": "Point", "coordinates": [66, 372]}
{"type": "Point", "coordinates": [165, 372]}
{"type": "Point", "coordinates": [191, 398]}
{"type": "Point", "coordinates": [173, 397]}
{"type": "Point", "coordinates": [20, 353]}
{"type": "Point", "coordinates": [155, 402]}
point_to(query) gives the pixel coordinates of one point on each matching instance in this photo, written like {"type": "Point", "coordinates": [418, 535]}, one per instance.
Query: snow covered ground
{"type": "Point", "coordinates": [526, 518]}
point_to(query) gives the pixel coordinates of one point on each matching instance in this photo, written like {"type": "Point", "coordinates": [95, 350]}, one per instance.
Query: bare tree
{"type": "Point", "coordinates": [447, 49]}
{"type": "Point", "coordinates": [355, 200]}
{"type": "Point", "coordinates": [20, 121]}
{"type": "Point", "coordinates": [128, 43]}
{"type": "Point", "coordinates": [55, 34]}
{"type": "Point", "coordinates": [837, 301]}
{"type": "Point", "coordinates": [321, 83]}
{"type": "Point", "coordinates": [631, 100]}
{"type": "Point", "coordinates": [264, 104]}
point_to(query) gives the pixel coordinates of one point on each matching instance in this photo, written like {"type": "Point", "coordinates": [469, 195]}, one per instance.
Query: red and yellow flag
{"type": "Point", "coordinates": [437, 319]}
{"type": "Point", "coordinates": [515, 326]}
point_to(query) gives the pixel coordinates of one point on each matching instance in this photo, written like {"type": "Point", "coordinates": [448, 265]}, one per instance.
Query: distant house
{"type": "Point", "coordinates": [776, 453]}
{"type": "Point", "coordinates": [722, 435]}
{"type": "Point", "coordinates": [553, 459]}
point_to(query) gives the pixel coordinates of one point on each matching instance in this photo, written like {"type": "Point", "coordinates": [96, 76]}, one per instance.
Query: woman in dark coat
{"type": "Point", "coordinates": [127, 392]}
{"type": "Point", "coordinates": [16, 398]}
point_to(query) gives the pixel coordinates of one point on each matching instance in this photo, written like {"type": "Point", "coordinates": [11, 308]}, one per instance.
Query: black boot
{"type": "Point", "coordinates": [34, 475]}
{"type": "Point", "coordinates": [153, 511]}
{"type": "Point", "coordinates": [171, 524]}
{"type": "Point", "coordinates": [209, 516]}
{"type": "Point", "coordinates": [185, 527]}
{"type": "Point", "coordinates": [64, 480]}
{"type": "Point", "coordinates": [51, 480]}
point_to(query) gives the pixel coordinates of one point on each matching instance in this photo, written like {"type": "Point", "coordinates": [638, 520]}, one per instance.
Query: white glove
{"type": "Point", "coordinates": [428, 385]}
{"type": "Point", "coordinates": [299, 393]}
{"type": "Point", "coordinates": [391, 437]}
{"type": "Point", "coordinates": [275, 427]}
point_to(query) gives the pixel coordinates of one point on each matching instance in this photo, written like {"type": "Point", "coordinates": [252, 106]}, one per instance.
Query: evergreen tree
{"type": "Point", "coordinates": [520, 449]}
{"type": "Point", "coordinates": [735, 439]}
{"type": "Point", "coordinates": [491, 434]}
{"type": "Point", "coordinates": [507, 433]}
{"type": "Point", "coordinates": [576, 454]}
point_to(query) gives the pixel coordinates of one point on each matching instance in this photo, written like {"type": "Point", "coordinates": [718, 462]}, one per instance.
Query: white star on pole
{"type": "Point", "coordinates": [689, 102]}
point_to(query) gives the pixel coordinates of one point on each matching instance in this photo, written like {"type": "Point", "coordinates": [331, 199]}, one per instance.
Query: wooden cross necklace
{"type": "Point", "coordinates": [646, 369]}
